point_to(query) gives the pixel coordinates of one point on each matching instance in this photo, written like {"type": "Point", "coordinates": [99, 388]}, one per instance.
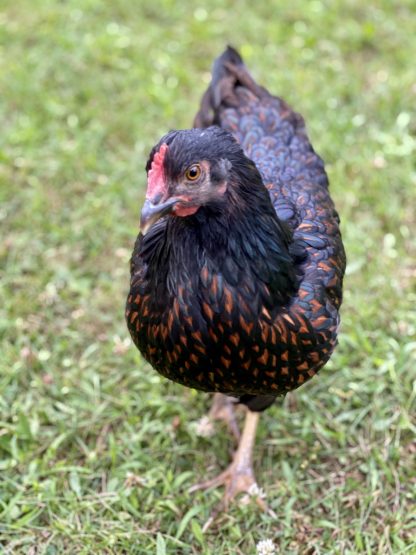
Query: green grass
{"type": "Point", "coordinates": [96, 450]}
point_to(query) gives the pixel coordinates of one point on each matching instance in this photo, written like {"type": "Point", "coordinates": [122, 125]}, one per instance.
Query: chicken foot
{"type": "Point", "coordinates": [239, 476]}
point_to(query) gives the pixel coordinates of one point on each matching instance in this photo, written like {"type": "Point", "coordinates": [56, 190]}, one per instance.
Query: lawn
{"type": "Point", "coordinates": [96, 450]}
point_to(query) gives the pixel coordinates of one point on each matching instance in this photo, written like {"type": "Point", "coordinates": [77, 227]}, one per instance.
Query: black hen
{"type": "Point", "coordinates": [236, 278]}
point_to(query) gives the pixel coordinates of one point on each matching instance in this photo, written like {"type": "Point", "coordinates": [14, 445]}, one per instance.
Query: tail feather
{"type": "Point", "coordinates": [228, 73]}
{"type": "Point", "coordinates": [221, 73]}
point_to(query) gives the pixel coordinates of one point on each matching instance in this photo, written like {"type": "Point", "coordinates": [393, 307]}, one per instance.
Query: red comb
{"type": "Point", "coordinates": [156, 183]}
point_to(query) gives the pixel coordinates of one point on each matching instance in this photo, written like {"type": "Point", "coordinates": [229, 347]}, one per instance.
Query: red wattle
{"type": "Point", "coordinates": [184, 210]}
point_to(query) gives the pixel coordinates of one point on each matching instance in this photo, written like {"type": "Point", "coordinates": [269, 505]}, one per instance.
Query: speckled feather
{"type": "Point", "coordinates": [254, 314]}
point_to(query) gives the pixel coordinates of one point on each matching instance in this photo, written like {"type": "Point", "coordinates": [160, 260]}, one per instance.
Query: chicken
{"type": "Point", "coordinates": [236, 276]}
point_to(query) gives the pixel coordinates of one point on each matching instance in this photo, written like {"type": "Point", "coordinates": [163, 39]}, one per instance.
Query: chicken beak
{"type": "Point", "coordinates": [151, 213]}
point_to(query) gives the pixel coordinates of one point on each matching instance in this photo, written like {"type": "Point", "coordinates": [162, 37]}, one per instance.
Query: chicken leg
{"type": "Point", "coordinates": [223, 409]}
{"type": "Point", "coordinates": [239, 476]}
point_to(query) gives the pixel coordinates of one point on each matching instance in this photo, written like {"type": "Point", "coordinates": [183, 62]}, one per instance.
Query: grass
{"type": "Point", "coordinates": [96, 450]}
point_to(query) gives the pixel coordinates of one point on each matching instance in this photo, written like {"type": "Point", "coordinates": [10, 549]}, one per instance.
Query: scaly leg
{"type": "Point", "coordinates": [239, 476]}
{"type": "Point", "coordinates": [223, 409]}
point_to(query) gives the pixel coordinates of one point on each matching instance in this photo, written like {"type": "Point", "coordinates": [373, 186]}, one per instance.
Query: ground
{"type": "Point", "coordinates": [96, 450]}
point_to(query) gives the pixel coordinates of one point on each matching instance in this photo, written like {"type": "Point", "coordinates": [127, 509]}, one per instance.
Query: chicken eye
{"type": "Point", "coordinates": [193, 172]}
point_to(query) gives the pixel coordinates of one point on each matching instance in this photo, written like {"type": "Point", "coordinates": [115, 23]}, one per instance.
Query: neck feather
{"type": "Point", "coordinates": [240, 238]}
